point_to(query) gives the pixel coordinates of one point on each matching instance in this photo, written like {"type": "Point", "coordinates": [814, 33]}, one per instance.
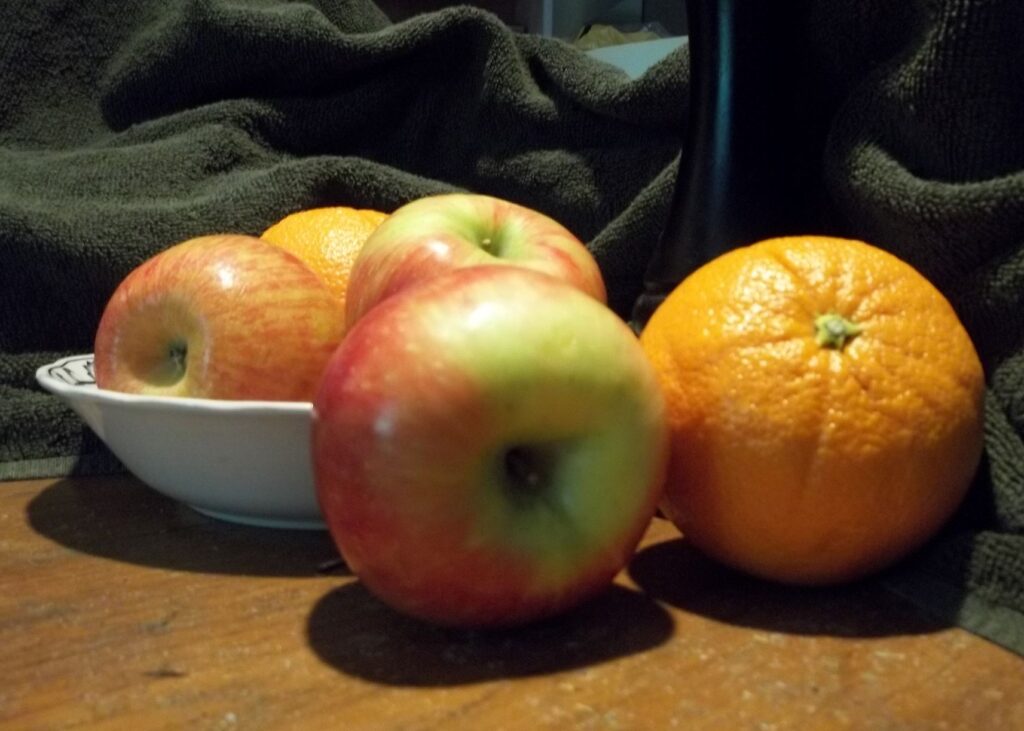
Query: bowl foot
{"type": "Point", "coordinates": [255, 520]}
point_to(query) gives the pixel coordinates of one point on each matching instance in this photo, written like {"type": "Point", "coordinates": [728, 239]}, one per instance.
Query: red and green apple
{"type": "Point", "coordinates": [436, 234]}
{"type": "Point", "coordinates": [220, 317]}
{"type": "Point", "coordinates": [488, 447]}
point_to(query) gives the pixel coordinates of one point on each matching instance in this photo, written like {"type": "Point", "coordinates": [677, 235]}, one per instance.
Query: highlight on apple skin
{"type": "Point", "coordinates": [489, 447]}
{"type": "Point", "coordinates": [219, 317]}
{"type": "Point", "coordinates": [436, 234]}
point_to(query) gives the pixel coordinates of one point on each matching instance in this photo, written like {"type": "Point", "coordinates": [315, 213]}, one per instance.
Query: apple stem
{"type": "Point", "coordinates": [170, 369]}
{"type": "Point", "coordinates": [177, 352]}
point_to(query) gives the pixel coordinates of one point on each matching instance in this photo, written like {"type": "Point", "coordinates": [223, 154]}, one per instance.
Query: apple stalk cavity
{"type": "Point", "coordinates": [171, 369]}
{"type": "Point", "coordinates": [527, 471]}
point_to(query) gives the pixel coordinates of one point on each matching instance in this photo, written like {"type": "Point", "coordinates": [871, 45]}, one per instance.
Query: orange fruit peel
{"type": "Point", "coordinates": [825, 406]}
{"type": "Point", "coordinates": [327, 240]}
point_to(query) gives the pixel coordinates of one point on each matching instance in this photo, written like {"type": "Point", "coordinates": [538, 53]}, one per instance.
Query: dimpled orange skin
{"type": "Point", "coordinates": [799, 462]}
{"type": "Point", "coordinates": [327, 240]}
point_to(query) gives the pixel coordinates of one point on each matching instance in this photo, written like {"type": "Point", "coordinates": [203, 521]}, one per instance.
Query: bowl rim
{"type": "Point", "coordinates": [89, 391]}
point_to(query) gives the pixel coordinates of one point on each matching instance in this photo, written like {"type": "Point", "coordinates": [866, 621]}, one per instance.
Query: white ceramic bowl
{"type": "Point", "coordinates": [242, 461]}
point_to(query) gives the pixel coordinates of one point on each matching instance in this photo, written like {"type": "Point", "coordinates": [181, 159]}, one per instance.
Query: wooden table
{"type": "Point", "coordinates": [122, 610]}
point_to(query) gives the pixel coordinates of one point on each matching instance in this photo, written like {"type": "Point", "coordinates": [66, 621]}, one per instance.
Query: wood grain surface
{"type": "Point", "coordinates": [120, 609]}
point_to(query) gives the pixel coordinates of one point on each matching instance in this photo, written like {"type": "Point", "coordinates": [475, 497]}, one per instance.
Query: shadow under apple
{"type": "Point", "coordinates": [352, 631]}
{"type": "Point", "coordinates": [119, 518]}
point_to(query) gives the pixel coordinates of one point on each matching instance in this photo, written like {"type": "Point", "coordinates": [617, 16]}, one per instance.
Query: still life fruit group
{"type": "Point", "coordinates": [489, 440]}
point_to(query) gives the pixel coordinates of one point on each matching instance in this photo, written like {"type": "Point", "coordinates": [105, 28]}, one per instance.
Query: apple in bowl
{"type": "Point", "coordinates": [436, 234]}
{"type": "Point", "coordinates": [488, 447]}
{"type": "Point", "coordinates": [218, 317]}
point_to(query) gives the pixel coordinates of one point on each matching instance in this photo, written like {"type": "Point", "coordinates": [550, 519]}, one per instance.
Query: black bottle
{"type": "Point", "coordinates": [750, 158]}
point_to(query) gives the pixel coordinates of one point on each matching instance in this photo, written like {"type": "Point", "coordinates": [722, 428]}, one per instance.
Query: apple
{"type": "Point", "coordinates": [436, 234]}
{"type": "Point", "coordinates": [219, 317]}
{"type": "Point", "coordinates": [488, 447]}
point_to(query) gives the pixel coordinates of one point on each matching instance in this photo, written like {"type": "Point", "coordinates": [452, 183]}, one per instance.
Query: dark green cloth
{"type": "Point", "coordinates": [126, 127]}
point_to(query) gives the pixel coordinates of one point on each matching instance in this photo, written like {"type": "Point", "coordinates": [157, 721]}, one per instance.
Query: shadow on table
{"type": "Point", "coordinates": [121, 519]}
{"type": "Point", "coordinates": [352, 631]}
{"type": "Point", "coordinates": [677, 574]}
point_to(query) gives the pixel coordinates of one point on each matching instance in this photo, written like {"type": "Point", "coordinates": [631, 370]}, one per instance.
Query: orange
{"type": "Point", "coordinates": [825, 406]}
{"type": "Point", "coordinates": [327, 240]}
